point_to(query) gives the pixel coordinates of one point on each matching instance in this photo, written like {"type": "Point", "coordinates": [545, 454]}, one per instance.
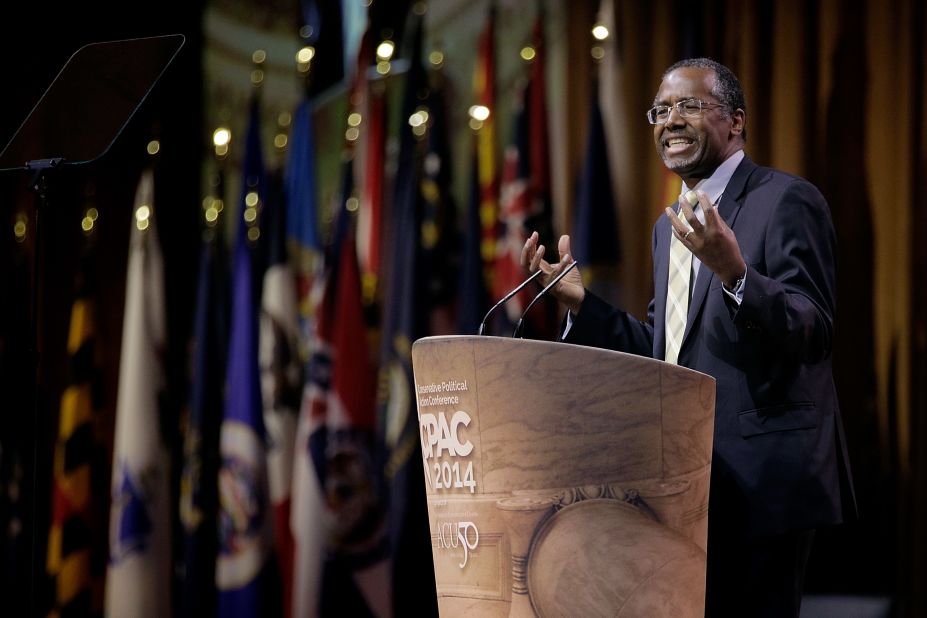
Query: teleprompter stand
{"type": "Point", "coordinates": [75, 122]}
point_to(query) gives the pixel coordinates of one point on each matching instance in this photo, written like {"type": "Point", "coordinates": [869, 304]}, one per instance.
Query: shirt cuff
{"type": "Point", "coordinates": [737, 294]}
{"type": "Point", "coordinates": [567, 326]}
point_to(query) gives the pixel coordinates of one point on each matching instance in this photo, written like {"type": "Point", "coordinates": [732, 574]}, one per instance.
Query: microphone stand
{"type": "Point", "coordinates": [506, 298]}
{"type": "Point", "coordinates": [556, 280]}
{"type": "Point", "coordinates": [117, 88]}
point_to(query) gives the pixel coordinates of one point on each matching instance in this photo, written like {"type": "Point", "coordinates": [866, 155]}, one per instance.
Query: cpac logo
{"type": "Point", "coordinates": [440, 437]}
{"type": "Point", "coordinates": [453, 535]}
{"type": "Point", "coordinates": [437, 432]}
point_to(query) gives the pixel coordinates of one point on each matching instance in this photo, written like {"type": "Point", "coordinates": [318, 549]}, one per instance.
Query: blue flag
{"type": "Point", "coordinates": [199, 500]}
{"type": "Point", "coordinates": [595, 230]}
{"type": "Point", "coordinates": [323, 22]}
{"type": "Point", "coordinates": [301, 192]}
{"type": "Point", "coordinates": [245, 517]}
{"type": "Point", "coordinates": [407, 316]}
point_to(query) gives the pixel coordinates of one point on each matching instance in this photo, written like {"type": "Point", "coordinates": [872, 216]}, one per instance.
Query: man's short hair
{"type": "Point", "coordinates": [727, 87]}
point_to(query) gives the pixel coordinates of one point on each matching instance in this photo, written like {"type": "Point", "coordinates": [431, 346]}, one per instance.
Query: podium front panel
{"type": "Point", "coordinates": [514, 432]}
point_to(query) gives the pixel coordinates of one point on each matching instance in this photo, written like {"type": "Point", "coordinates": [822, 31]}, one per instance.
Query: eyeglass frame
{"type": "Point", "coordinates": [703, 106]}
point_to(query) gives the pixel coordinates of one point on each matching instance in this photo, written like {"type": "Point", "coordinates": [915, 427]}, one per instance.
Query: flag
{"type": "Point", "coordinates": [341, 490]}
{"type": "Point", "coordinates": [472, 293]}
{"type": "Point", "coordinates": [323, 584]}
{"type": "Point", "coordinates": [525, 200]}
{"type": "Point", "coordinates": [307, 509]}
{"type": "Point", "coordinates": [199, 488]}
{"type": "Point", "coordinates": [406, 319]}
{"type": "Point", "coordinates": [595, 230]}
{"type": "Point", "coordinates": [612, 98]}
{"type": "Point", "coordinates": [302, 218]}
{"type": "Point", "coordinates": [335, 29]}
{"type": "Point", "coordinates": [367, 120]}
{"type": "Point", "coordinates": [72, 563]}
{"type": "Point", "coordinates": [304, 238]}
{"type": "Point", "coordinates": [369, 220]}
{"type": "Point", "coordinates": [484, 86]}
{"type": "Point", "coordinates": [243, 566]}
{"type": "Point", "coordinates": [545, 322]}
{"type": "Point", "coordinates": [322, 28]}
{"type": "Point", "coordinates": [353, 497]}
{"type": "Point", "coordinates": [308, 517]}
{"type": "Point", "coordinates": [138, 580]}
{"type": "Point", "coordinates": [440, 236]}
{"type": "Point", "coordinates": [541, 214]}
{"type": "Point", "coordinates": [356, 572]}
{"type": "Point", "coordinates": [281, 377]}
{"type": "Point", "coordinates": [357, 103]}
{"type": "Point", "coordinates": [514, 205]}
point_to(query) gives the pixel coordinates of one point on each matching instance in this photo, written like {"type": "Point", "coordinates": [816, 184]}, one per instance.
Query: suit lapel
{"type": "Point", "coordinates": [728, 207]}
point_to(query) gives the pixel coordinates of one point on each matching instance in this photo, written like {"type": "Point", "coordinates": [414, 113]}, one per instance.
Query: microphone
{"type": "Point", "coordinates": [521, 320]}
{"type": "Point", "coordinates": [506, 298]}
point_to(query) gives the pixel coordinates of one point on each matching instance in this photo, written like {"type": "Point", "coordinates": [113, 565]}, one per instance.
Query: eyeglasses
{"type": "Point", "coordinates": [687, 108]}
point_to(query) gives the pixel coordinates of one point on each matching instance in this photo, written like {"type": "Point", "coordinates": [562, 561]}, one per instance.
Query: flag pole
{"type": "Point", "coordinates": [42, 169]}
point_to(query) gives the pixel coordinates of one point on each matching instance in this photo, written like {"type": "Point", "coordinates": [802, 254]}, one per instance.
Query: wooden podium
{"type": "Point", "coordinates": [563, 480]}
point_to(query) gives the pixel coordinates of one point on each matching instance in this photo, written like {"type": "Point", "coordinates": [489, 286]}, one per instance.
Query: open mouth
{"type": "Point", "coordinates": [677, 145]}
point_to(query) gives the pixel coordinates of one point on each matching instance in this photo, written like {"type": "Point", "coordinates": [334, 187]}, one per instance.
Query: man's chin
{"type": "Point", "coordinates": [678, 166]}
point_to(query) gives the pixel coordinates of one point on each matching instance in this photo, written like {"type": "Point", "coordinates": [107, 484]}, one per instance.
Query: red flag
{"type": "Point", "coordinates": [536, 94]}
{"type": "Point", "coordinates": [371, 206]}
{"type": "Point", "coordinates": [525, 200]}
{"type": "Point", "coordinates": [339, 488]}
{"type": "Point", "coordinates": [357, 537]}
{"type": "Point", "coordinates": [353, 375]}
{"type": "Point", "coordinates": [367, 122]}
{"type": "Point", "coordinates": [514, 206]}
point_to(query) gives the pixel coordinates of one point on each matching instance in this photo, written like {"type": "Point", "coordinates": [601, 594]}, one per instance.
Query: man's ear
{"type": "Point", "coordinates": [738, 121]}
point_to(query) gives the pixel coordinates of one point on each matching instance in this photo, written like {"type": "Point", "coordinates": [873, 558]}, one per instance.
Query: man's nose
{"type": "Point", "coordinates": [674, 117]}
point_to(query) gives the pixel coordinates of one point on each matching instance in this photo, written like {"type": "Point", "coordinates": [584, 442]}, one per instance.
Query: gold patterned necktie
{"type": "Point", "coordinates": [677, 294]}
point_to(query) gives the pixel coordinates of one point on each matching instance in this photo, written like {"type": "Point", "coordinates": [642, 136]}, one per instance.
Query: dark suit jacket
{"type": "Point", "coordinates": [779, 460]}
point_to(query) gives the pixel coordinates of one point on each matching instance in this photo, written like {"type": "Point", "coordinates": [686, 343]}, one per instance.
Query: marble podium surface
{"type": "Point", "coordinates": [563, 480]}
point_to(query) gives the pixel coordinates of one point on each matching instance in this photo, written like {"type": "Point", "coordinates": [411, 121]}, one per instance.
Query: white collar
{"type": "Point", "coordinates": [714, 185]}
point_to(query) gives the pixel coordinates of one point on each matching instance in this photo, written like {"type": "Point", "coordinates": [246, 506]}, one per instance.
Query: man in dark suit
{"type": "Point", "coordinates": [744, 280]}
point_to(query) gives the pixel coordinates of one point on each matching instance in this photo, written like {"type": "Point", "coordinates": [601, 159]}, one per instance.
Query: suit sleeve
{"type": "Point", "coordinates": [600, 325]}
{"type": "Point", "coordinates": [792, 303]}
